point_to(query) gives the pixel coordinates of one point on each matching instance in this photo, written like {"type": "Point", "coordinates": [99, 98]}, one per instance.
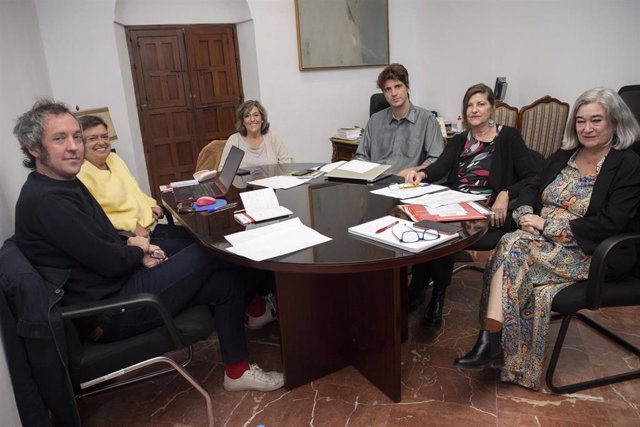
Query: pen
{"type": "Point", "coordinates": [386, 227]}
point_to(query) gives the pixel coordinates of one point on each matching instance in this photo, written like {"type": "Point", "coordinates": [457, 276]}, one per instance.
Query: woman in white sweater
{"type": "Point", "coordinates": [260, 145]}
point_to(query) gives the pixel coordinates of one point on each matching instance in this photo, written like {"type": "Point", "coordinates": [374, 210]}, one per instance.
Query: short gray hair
{"type": "Point", "coordinates": [618, 113]}
{"type": "Point", "coordinates": [29, 127]}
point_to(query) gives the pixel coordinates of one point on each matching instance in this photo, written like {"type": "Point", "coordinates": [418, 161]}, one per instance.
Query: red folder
{"type": "Point", "coordinates": [420, 213]}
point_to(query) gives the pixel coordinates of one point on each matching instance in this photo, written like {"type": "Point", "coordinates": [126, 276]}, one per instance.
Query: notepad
{"type": "Point", "coordinates": [371, 230]}
{"type": "Point", "coordinates": [262, 205]}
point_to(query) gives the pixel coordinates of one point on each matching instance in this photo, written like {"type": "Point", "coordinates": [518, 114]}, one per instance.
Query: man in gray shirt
{"type": "Point", "coordinates": [403, 136]}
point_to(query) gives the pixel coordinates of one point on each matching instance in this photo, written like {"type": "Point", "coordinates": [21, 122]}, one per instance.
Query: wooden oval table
{"type": "Point", "coordinates": [342, 302]}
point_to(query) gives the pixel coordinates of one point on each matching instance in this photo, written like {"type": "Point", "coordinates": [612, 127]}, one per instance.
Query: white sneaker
{"type": "Point", "coordinates": [255, 379]}
{"type": "Point", "coordinates": [270, 314]}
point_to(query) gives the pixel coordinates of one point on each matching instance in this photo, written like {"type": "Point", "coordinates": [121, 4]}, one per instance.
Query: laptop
{"type": "Point", "coordinates": [218, 186]}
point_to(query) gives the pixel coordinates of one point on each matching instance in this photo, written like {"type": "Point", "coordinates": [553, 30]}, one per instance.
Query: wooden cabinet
{"type": "Point", "coordinates": [343, 149]}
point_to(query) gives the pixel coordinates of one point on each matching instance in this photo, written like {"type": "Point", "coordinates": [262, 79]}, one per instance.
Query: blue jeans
{"type": "Point", "coordinates": [189, 277]}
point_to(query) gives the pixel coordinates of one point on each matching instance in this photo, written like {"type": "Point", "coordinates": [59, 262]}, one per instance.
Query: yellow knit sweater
{"type": "Point", "coordinates": [119, 194]}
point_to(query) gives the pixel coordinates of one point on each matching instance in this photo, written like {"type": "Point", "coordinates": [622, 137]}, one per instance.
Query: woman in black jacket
{"type": "Point", "coordinates": [587, 191]}
{"type": "Point", "coordinates": [487, 159]}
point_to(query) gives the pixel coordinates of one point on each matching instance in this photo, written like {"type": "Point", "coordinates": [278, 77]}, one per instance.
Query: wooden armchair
{"type": "Point", "coordinates": [505, 114]}
{"type": "Point", "coordinates": [542, 124]}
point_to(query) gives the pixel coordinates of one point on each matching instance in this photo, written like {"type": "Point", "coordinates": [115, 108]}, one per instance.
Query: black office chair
{"type": "Point", "coordinates": [594, 293]}
{"type": "Point", "coordinates": [631, 96]}
{"type": "Point", "coordinates": [377, 103]}
{"type": "Point", "coordinates": [90, 363]}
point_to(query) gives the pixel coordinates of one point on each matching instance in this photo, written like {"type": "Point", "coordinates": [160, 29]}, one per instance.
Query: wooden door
{"type": "Point", "coordinates": [188, 87]}
{"type": "Point", "coordinates": [214, 73]}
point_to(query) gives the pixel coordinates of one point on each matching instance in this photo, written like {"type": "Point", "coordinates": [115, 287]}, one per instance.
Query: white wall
{"type": "Point", "coordinates": [23, 77]}
{"type": "Point", "coordinates": [559, 48]}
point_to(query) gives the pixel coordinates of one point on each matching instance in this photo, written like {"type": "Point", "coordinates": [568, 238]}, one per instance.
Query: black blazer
{"type": "Point", "coordinates": [512, 164]}
{"type": "Point", "coordinates": [614, 201]}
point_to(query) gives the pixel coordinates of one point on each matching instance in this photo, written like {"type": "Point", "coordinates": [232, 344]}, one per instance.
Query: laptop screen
{"type": "Point", "coordinates": [231, 165]}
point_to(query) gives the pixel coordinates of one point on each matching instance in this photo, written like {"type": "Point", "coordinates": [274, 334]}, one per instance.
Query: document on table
{"type": "Point", "coordinates": [274, 240]}
{"type": "Point", "coordinates": [407, 190]}
{"type": "Point", "coordinates": [331, 166]}
{"type": "Point", "coordinates": [280, 182]}
{"type": "Point", "coordinates": [443, 198]}
{"type": "Point", "coordinates": [387, 229]}
{"type": "Point", "coordinates": [262, 205]}
{"type": "Point", "coordinates": [359, 166]}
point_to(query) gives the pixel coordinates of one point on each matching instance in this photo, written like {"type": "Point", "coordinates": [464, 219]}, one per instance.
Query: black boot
{"type": "Point", "coordinates": [487, 352]}
{"type": "Point", "coordinates": [433, 317]}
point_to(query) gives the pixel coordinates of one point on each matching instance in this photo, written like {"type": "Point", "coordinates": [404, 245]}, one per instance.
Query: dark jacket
{"type": "Point", "coordinates": [34, 340]}
{"type": "Point", "coordinates": [614, 201]}
{"type": "Point", "coordinates": [511, 166]}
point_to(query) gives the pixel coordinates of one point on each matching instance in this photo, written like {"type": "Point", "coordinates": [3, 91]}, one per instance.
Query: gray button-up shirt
{"type": "Point", "coordinates": [414, 140]}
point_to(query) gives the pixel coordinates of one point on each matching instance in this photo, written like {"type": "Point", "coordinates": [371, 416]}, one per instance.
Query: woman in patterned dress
{"type": "Point", "coordinates": [588, 190]}
{"type": "Point", "coordinates": [487, 159]}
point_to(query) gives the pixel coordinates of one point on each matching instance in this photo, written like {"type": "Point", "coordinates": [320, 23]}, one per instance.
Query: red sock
{"type": "Point", "coordinates": [236, 370]}
{"type": "Point", "coordinates": [256, 307]}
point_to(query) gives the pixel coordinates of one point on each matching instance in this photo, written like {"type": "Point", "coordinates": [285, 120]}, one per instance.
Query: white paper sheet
{"type": "Point", "coordinates": [280, 182]}
{"type": "Point", "coordinates": [358, 166]}
{"type": "Point", "coordinates": [263, 204]}
{"type": "Point", "coordinates": [443, 198]}
{"type": "Point", "coordinates": [408, 191]}
{"type": "Point", "coordinates": [331, 166]}
{"type": "Point", "coordinates": [274, 240]}
{"type": "Point", "coordinates": [453, 209]}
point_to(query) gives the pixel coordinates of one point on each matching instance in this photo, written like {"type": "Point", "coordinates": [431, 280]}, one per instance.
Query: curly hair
{"type": "Point", "coordinates": [29, 127]}
{"type": "Point", "coordinates": [244, 110]}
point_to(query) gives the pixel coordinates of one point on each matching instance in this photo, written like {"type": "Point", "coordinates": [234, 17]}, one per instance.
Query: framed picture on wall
{"type": "Point", "coordinates": [342, 33]}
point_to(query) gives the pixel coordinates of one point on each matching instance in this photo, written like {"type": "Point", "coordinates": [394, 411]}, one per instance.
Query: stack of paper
{"type": "Point", "coordinates": [359, 170]}
{"type": "Point", "coordinates": [382, 230]}
{"type": "Point", "coordinates": [274, 240]}
{"type": "Point", "coordinates": [349, 133]}
{"type": "Point", "coordinates": [280, 182]}
{"type": "Point", "coordinates": [408, 190]}
{"type": "Point", "coordinates": [444, 198]}
{"type": "Point", "coordinates": [453, 212]}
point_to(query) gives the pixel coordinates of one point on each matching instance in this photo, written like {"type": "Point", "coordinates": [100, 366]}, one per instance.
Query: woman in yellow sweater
{"type": "Point", "coordinates": [109, 180]}
{"type": "Point", "coordinates": [131, 211]}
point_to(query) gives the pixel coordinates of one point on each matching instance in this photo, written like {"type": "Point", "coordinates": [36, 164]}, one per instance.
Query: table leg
{"type": "Point", "coordinates": [330, 321]}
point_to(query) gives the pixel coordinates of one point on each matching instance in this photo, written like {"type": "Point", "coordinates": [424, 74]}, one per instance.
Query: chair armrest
{"type": "Point", "coordinates": [167, 215]}
{"type": "Point", "coordinates": [123, 303]}
{"type": "Point", "coordinates": [598, 268]}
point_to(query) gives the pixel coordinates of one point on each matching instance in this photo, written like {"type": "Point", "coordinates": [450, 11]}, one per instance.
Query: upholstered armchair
{"type": "Point", "coordinates": [542, 124]}
{"type": "Point", "coordinates": [209, 157]}
{"type": "Point", "coordinates": [505, 114]}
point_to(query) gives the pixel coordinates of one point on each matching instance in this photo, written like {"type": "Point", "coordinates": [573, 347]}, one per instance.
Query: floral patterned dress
{"type": "Point", "coordinates": [536, 268]}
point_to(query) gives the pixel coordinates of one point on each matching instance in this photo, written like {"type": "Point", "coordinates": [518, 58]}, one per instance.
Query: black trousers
{"type": "Point", "coordinates": [189, 277]}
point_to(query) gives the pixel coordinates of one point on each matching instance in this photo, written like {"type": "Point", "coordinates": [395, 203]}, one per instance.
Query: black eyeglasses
{"type": "Point", "coordinates": [411, 236]}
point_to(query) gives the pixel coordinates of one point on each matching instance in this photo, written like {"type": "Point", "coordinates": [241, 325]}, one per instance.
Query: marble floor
{"type": "Point", "coordinates": [434, 393]}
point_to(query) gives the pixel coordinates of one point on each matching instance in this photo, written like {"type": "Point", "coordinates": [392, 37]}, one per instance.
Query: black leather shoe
{"type": "Point", "coordinates": [433, 317]}
{"type": "Point", "coordinates": [487, 352]}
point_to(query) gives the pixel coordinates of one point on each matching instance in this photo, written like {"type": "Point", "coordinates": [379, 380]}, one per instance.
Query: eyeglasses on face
{"type": "Point", "coordinates": [406, 234]}
{"type": "Point", "coordinates": [94, 138]}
